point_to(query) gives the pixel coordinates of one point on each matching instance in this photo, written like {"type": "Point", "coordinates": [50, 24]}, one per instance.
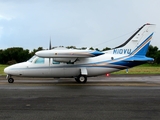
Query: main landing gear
{"type": "Point", "coordinates": [10, 79]}
{"type": "Point", "coordinates": [81, 79]}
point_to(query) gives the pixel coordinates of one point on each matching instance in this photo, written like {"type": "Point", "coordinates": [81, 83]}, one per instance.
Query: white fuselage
{"type": "Point", "coordinates": [46, 67]}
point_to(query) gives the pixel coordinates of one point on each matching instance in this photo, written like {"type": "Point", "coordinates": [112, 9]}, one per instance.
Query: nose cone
{"type": "Point", "coordinates": [7, 70]}
{"type": "Point", "coordinates": [14, 69]}
{"type": "Point", "coordinates": [10, 70]}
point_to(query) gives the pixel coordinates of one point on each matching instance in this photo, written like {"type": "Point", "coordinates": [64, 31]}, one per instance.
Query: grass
{"type": "Point", "coordinates": [2, 69]}
{"type": "Point", "coordinates": [142, 69]}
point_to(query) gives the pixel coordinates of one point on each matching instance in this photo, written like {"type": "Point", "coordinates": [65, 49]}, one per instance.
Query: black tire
{"type": "Point", "coordinates": [82, 79]}
{"type": "Point", "coordinates": [10, 80]}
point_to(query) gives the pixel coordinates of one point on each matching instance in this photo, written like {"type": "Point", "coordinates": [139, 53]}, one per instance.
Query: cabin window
{"type": "Point", "coordinates": [55, 62]}
{"type": "Point", "coordinates": [112, 58]}
{"type": "Point", "coordinates": [39, 61]}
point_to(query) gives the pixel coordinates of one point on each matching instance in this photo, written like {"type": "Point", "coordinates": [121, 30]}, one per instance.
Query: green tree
{"type": "Point", "coordinates": [35, 50]}
{"type": "Point", "coordinates": [107, 48]}
{"type": "Point", "coordinates": [14, 55]}
{"type": "Point", "coordinates": [153, 53]}
{"type": "Point", "coordinates": [83, 48]}
{"type": "Point", "coordinates": [91, 48]}
{"type": "Point", "coordinates": [157, 58]}
{"type": "Point", "coordinates": [71, 47]}
{"type": "Point", "coordinates": [97, 49]}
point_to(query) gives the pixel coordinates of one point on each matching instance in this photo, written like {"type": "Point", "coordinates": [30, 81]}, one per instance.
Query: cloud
{"type": "Point", "coordinates": [5, 18]}
{"type": "Point", "coordinates": [30, 24]}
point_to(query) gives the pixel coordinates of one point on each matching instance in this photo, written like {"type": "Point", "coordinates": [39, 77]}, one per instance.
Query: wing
{"type": "Point", "coordinates": [67, 55]}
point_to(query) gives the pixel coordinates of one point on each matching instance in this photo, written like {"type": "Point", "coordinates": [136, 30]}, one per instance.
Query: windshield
{"type": "Point", "coordinates": [39, 61]}
{"type": "Point", "coordinates": [31, 59]}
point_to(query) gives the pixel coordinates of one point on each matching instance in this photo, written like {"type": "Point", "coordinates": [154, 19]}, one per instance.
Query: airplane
{"type": "Point", "coordinates": [81, 64]}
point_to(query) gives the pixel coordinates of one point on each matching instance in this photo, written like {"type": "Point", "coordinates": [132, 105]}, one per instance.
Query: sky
{"type": "Point", "coordinates": [82, 23]}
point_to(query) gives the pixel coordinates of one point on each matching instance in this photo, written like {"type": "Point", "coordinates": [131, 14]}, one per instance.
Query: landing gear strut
{"type": "Point", "coordinates": [81, 79]}
{"type": "Point", "coordinates": [10, 79]}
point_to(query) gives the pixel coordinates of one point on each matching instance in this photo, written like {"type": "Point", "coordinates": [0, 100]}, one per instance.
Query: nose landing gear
{"type": "Point", "coordinates": [10, 79]}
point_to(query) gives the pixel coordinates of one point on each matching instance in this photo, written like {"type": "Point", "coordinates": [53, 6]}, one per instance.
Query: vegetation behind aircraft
{"type": "Point", "coordinates": [17, 54]}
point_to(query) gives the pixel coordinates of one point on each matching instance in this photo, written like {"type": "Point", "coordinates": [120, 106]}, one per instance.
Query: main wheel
{"type": "Point", "coordinates": [10, 80]}
{"type": "Point", "coordinates": [81, 79]}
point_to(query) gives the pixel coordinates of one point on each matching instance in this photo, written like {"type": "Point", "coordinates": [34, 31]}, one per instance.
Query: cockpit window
{"type": "Point", "coordinates": [31, 59]}
{"type": "Point", "coordinates": [39, 61]}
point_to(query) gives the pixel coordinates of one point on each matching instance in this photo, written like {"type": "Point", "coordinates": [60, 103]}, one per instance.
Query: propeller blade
{"type": "Point", "coordinates": [50, 47]}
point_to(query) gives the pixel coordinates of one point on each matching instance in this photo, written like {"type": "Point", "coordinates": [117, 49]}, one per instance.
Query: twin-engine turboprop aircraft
{"type": "Point", "coordinates": [80, 64]}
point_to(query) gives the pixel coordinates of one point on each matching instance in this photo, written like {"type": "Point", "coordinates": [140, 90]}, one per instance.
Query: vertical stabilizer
{"type": "Point", "coordinates": [138, 43]}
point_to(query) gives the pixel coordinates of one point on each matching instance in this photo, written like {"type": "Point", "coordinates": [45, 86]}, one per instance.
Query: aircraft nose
{"type": "Point", "coordinates": [6, 70]}
{"type": "Point", "coordinates": [15, 69]}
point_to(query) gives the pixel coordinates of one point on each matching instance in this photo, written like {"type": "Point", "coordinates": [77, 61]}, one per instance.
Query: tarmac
{"type": "Point", "coordinates": [117, 97]}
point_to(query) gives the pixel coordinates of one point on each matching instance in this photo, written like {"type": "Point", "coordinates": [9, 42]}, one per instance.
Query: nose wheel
{"type": "Point", "coordinates": [10, 79]}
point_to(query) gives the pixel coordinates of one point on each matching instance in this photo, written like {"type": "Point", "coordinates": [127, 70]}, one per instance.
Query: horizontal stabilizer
{"type": "Point", "coordinates": [139, 58]}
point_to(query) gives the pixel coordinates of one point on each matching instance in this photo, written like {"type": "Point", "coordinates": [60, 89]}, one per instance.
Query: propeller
{"type": "Point", "coordinates": [50, 47]}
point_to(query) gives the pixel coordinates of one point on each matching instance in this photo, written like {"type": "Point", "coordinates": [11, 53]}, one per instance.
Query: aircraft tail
{"type": "Point", "coordinates": [138, 43]}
